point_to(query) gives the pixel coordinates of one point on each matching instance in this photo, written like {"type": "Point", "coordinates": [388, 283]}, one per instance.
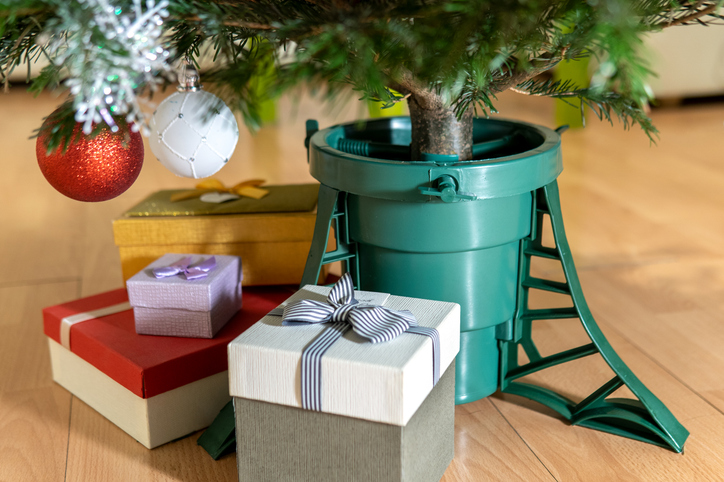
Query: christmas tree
{"type": "Point", "coordinates": [448, 59]}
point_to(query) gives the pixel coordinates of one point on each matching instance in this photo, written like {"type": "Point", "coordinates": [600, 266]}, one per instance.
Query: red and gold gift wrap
{"type": "Point", "coordinates": [155, 388]}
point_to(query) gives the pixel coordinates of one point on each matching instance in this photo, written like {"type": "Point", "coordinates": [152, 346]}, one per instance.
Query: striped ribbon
{"type": "Point", "coordinates": [433, 334]}
{"type": "Point", "coordinates": [375, 323]}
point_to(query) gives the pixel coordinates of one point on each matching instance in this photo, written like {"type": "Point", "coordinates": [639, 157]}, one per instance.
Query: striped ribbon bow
{"type": "Point", "coordinates": [198, 271]}
{"type": "Point", "coordinates": [375, 323]}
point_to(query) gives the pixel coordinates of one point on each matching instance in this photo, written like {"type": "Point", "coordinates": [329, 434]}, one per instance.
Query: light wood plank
{"type": "Point", "coordinates": [98, 450]}
{"type": "Point", "coordinates": [488, 448]}
{"type": "Point", "coordinates": [655, 202]}
{"type": "Point", "coordinates": [24, 358]}
{"type": "Point", "coordinates": [34, 210]}
{"type": "Point", "coordinates": [605, 231]}
{"type": "Point", "coordinates": [34, 411]}
{"type": "Point", "coordinates": [673, 313]}
{"type": "Point", "coordinates": [34, 427]}
{"type": "Point", "coordinates": [575, 453]}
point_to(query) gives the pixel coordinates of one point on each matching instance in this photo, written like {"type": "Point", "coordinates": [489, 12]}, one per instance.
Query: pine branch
{"type": "Point", "coordinates": [18, 44]}
{"type": "Point", "coordinates": [689, 13]}
{"type": "Point", "coordinates": [604, 104]}
{"type": "Point", "coordinates": [509, 78]}
{"type": "Point", "coordinates": [455, 54]}
{"type": "Point", "coordinates": [235, 23]}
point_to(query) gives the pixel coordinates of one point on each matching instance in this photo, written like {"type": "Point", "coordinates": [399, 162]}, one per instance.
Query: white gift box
{"type": "Point", "coordinates": [176, 306]}
{"type": "Point", "coordinates": [381, 382]}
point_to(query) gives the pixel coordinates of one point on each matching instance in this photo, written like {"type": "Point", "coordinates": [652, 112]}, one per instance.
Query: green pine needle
{"type": "Point", "coordinates": [460, 53]}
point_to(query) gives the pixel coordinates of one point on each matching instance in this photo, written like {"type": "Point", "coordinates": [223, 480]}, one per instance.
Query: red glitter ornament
{"type": "Point", "coordinates": [95, 168]}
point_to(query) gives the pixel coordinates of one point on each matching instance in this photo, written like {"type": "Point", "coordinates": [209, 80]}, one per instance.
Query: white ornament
{"type": "Point", "coordinates": [193, 134]}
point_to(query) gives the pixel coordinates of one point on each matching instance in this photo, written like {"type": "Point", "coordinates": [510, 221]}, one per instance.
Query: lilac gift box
{"type": "Point", "coordinates": [176, 306]}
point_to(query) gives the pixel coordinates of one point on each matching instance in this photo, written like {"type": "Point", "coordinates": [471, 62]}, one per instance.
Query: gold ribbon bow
{"type": "Point", "coordinates": [246, 189]}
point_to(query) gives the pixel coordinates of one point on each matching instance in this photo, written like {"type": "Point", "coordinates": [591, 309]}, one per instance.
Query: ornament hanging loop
{"type": "Point", "coordinates": [189, 79]}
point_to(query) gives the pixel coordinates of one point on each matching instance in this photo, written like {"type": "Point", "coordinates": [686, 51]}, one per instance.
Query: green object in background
{"type": "Point", "coordinates": [568, 112]}
{"type": "Point", "coordinates": [268, 112]}
{"type": "Point", "coordinates": [260, 87]}
{"type": "Point", "coordinates": [375, 109]}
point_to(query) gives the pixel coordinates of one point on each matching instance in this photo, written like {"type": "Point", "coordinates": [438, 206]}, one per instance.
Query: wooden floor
{"type": "Point", "coordinates": [645, 223]}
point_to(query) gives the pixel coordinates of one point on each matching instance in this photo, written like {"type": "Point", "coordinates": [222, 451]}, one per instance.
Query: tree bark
{"type": "Point", "coordinates": [437, 130]}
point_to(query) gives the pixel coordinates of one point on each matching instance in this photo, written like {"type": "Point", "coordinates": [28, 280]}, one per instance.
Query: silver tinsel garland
{"type": "Point", "coordinates": [109, 55]}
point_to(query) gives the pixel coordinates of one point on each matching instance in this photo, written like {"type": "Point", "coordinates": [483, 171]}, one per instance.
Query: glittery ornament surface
{"type": "Point", "coordinates": [93, 168]}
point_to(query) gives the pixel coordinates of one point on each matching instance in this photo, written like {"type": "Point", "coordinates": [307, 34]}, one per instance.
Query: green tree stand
{"type": "Point", "coordinates": [646, 419]}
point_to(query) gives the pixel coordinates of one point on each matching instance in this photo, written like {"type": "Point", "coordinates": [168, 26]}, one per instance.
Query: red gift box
{"type": "Point", "coordinates": [154, 369]}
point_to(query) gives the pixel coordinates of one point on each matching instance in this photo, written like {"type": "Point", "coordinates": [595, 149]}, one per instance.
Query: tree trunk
{"type": "Point", "coordinates": [437, 130]}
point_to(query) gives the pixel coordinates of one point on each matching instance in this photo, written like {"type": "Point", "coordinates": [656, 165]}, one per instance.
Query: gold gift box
{"type": "Point", "coordinates": [272, 235]}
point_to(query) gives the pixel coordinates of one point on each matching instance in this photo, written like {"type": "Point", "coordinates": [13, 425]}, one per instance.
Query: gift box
{"type": "Point", "coordinates": [180, 295]}
{"type": "Point", "coordinates": [271, 235]}
{"type": "Point", "coordinates": [156, 389]}
{"type": "Point", "coordinates": [311, 406]}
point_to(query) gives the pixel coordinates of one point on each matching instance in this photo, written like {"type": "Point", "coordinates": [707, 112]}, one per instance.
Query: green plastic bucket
{"type": "Point", "coordinates": [412, 243]}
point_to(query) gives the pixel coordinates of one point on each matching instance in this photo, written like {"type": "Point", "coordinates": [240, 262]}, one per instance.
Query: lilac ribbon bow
{"type": "Point", "coordinates": [199, 271]}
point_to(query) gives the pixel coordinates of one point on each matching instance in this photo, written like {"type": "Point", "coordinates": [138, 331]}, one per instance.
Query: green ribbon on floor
{"type": "Point", "coordinates": [220, 438]}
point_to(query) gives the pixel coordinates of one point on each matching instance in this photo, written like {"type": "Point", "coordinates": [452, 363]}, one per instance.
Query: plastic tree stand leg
{"type": "Point", "coordinates": [646, 419]}
{"type": "Point", "coordinates": [331, 207]}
